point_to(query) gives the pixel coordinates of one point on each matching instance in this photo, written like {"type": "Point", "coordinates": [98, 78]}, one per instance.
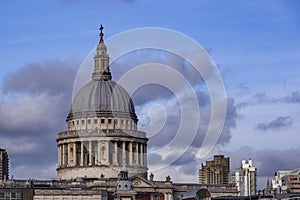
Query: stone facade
{"type": "Point", "coordinates": [101, 154]}
{"type": "Point", "coordinates": [102, 134]}
{"type": "Point", "coordinates": [107, 189]}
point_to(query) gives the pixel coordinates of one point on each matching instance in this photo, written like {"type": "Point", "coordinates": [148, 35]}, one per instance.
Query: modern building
{"type": "Point", "coordinates": [277, 185]}
{"type": "Point", "coordinates": [102, 155]}
{"type": "Point", "coordinates": [4, 165]}
{"type": "Point", "coordinates": [215, 171]}
{"type": "Point", "coordinates": [286, 181]}
{"type": "Point", "coordinates": [236, 177]}
{"type": "Point", "coordinates": [244, 178]}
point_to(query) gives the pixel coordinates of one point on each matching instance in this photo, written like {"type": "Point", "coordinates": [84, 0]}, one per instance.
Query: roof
{"type": "Point", "coordinates": [104, 97]}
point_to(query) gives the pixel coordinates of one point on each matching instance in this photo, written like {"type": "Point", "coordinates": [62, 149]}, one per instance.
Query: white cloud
{"type": "Point", "coordinates": [20, 145]}
{"type": "Point", "coordinates": [30, 112]}
{"type": "Point", "coordinates": [38, 172]}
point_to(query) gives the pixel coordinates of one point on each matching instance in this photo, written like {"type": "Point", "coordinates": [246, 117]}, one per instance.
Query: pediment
{"type": "Point", "coordinates": [138, 181]}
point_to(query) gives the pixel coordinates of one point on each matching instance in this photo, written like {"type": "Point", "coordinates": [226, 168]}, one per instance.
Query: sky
{"type": "Point", "coordinates": [254, 44]}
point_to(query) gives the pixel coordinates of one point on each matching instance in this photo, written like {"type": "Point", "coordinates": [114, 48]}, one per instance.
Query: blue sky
{"type": "Point", "coordinates": [256, 45]}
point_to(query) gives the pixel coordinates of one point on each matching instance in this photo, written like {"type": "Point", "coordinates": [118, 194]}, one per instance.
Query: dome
{"type": "Point", "coordinates": [102, 133]}
{"type": "Point", "coordinates": [102, 97]}
{"type": "Point", "coordinates": [101, 47]}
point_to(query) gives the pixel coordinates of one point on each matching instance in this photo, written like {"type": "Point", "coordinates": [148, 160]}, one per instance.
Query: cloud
{"type": "Point", "coordinates": [145, 93]}
{"type": "Point", "coordinates": [154, 158]}
{"type": "Point", "coordinates": [230, 121]}
{"type": "Point", "coordinates": [294, 97]}
{"type": "Point", "coordinates": [169, 136]}
{"type": "Point", "coordinates": [173, 119]}
{"type": "Point", "coordinates": [266, 161]}
{"type": "Point", "coordinates": [182, 170]}
{"type": "Point", "coordinates": [155, 94]}
{"type": "Point", "coordinates": [142, 94]}
{"type": "Point", "coordinates": [181, 154]}
{"type": "Point", "coordinates": [31, 113]}
{"type": "Point", "coordinates": [278, 123]}
{"type": "Point", "coordinates": [39, 171]}
{"type": "Point", "coordinates": [243, 89]}
{"type": "Point", "coordinates": [262, 97]}
{"type": "Point", "coordinates": [242, 105]}
{"type": "Point", "coordinates": [51, 77]}
{"type": "Point", "coordinates": [187, 157]}
{"type": "Point", "coordinates": [34, 103]}
{"type": "Point", "coordinates": [177, 173]}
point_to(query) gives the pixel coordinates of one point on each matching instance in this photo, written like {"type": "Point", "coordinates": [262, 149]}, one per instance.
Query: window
{"type": "Point", "coordinates": [102, 121]}
{"type": "Point", "coordinates": [121, 121]}
{"type": "Point", "coordinates": [77, 122]}
{"type": "Point", "coordinates": [109, 121]}
{"type": "Point", "coordinates": [10, 195]}
{"type": "Point", "coordinates": [82, 121]}
{"type": "Point", "coordinates": [89, 121]}
{"type": "Point", "coordinates": [95, 121]}
{"type": "Point", "coordinates": [73, 123]}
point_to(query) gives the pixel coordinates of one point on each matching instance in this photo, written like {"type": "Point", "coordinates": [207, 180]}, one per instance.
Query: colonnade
{"type": "Point", "coordinates": [93, 153]}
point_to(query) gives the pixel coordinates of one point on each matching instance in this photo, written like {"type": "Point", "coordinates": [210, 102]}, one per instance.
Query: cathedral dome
{"type": "Point", "coordinates": [102, 97]}
{"type": "Point", "coordinates": [102, 133]}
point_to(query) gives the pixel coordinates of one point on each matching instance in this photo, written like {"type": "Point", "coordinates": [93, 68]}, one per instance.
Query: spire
{"type": "Point", "coordinates": [101, 34]}
{"type": "Point", "coordinates": [268, 188]}
{"type": "Point", "coordinates": [101, 60]}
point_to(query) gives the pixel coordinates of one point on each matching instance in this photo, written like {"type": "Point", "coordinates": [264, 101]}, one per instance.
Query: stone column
{"type": "Point", "coordinates": [124, 154]}
{"type": "Point", "coordinates": [145, 155]}
{"type": "Point", "coordinates": [130, 153]}
{"type": "Point", "coordinates": [116, 152]}
{"type": "Point", "coordinates": [99, 151]}
{"type": "Point", "coordinates": [69, 155]}
{"type": "Point", "coordinates": [81, 154]}
{"type": "Point", "coordinates": [75, 153]}
{"type": "Point", "coordinates": [63, 155]}
{"type": "Point", "coordinates": [137, 153]}
{"type": "Point", "coordinates": [141, 155]}
{"type": "Point", "coordinates": [90, 152]}
{"type": "Point", "coordinates": [107, 153]}
{"type": "Point", "coordinates": [58, 155]}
